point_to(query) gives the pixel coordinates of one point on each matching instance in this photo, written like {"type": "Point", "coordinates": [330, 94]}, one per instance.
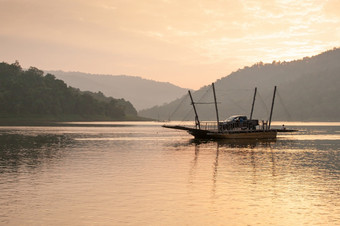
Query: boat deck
{"type": "Point", "coordinates": [231, 134]}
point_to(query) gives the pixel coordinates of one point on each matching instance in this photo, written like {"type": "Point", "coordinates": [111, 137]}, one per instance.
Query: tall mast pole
{"type": "Point", "coordinates": [252, 106]}
{"type": "Point", "coordinates": [217, 118]}
{"type": "Point", "coordinates": [271, 111]}
{"type": "Point", "coordinates": [197, 121]}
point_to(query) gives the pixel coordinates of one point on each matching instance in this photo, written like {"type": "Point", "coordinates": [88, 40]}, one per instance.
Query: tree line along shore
{"type": "Point", "coordinates": [29, 96]}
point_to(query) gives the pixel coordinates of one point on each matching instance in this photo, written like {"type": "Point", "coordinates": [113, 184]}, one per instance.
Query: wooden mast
{"type": "Point", "coordinates": [271, 111]}
{"type": "Point", "coordinates": [197, 121]}
{"type": "Point", "coordinates": [252, 106]}
{"type": "Point", "coordinates": [217, 118]}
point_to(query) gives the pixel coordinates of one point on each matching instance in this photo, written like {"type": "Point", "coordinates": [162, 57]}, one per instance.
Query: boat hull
{"type": "Point", "coordinates": [256, 134]}
{"type": "Point", "coordinates": [241, 134]}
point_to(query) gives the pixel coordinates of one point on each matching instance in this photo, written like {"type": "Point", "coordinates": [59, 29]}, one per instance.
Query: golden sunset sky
{"type": "Point", "coordinates": [189, 43]}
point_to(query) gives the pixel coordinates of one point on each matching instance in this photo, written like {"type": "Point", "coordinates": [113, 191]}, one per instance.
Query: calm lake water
{"type": "Point", "coordinates": [143, 174]}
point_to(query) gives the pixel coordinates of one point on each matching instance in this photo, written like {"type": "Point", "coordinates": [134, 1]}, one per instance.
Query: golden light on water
{"type": "Point", "coordinates": [128, 174]}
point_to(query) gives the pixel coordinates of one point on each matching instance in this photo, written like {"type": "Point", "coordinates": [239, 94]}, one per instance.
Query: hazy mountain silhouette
{"type": "Point", "coordinates": [142, 93]}
{"type": "Point", "coordinates": [308, 89]}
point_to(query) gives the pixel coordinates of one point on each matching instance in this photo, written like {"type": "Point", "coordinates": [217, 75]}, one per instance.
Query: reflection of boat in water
{"type": "Point", "coordinates": [235, 127]}
{"type": "Point", "coordinates": [237, 143]}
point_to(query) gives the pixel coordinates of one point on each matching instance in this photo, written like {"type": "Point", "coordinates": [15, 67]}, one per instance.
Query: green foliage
{"type": "Point", "coordinates": [30, 93]}
{"type": "Point", "coordinates": [308, 90]}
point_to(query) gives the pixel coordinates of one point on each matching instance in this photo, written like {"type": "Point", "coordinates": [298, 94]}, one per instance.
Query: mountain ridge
{"type": "Point", "coordinates": [307, 90]}
{"type": "Point", "coordinates": [142, 93]}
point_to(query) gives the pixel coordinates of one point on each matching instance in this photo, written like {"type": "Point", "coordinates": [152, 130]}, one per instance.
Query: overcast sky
{"type": "Point", "coordinates": [189, 43]}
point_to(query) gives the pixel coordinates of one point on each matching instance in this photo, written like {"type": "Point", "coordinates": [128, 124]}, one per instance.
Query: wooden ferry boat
{"type": "Point", "coordinates": [235, 127]}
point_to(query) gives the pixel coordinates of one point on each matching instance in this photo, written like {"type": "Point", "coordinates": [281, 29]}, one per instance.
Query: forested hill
{"type": "Point", "coordinates": [142, 93]}
{"type": "Point", "coordinates": [29, 94]}
{"type": "Point", "coordinates": [308, 90]}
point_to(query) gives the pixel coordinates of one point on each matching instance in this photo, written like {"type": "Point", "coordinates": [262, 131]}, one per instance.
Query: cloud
{"type": "Point", "coordinates": [150, 36]}
{"type": "Point", "coordinates": [332, 8]}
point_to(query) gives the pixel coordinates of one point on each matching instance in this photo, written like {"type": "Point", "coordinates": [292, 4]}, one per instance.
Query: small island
{"type": "Point", "coordinates": [31, 97]}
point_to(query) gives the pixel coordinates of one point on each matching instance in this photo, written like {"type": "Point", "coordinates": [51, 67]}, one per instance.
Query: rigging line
{"type": "Point", "coordinates": [228, 90]}
{"type": "Point", "coordinates": [179, 105]}
{"type": "Point", "coordinates": [205, 94]}
{"type": "Point", "coordinates": [284, 106]}
{"type": "Point", "coordinates": [237, 105]}
{"type": "Point", "coordinates": [262, 101]}
{"type": "Point", "coordinates": [206, 102]}
{"type": "Point", "coordinates": [187, 115]}
{"type": "Point", "coordinates": [191, 110]}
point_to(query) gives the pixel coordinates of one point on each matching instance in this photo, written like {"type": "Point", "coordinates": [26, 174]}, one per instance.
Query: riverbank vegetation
{"type": "Point", "coordinates": [30, 96]}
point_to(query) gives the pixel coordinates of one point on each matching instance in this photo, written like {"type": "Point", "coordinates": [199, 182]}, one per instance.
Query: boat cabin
{"type": "Point", "coordinates": [239, 122]}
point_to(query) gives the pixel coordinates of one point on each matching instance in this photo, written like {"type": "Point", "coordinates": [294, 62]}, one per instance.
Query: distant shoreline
{"type": "Point", "coordinates": [120, 122]}
{"type": "Point", "coordinates": [62, 121]}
